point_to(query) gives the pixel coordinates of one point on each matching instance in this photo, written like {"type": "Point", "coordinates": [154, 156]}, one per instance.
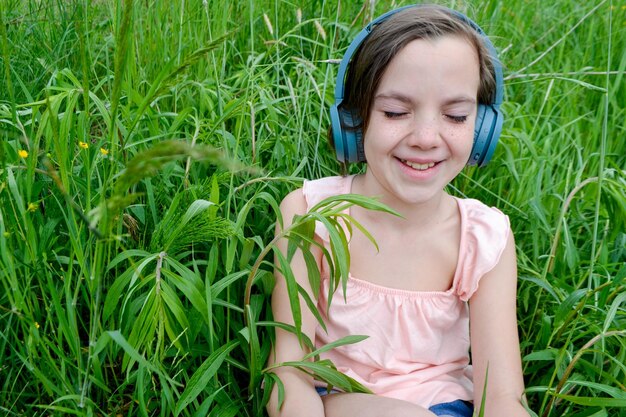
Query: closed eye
{"type": "Point", "coordinates": [393, 115]}
{"type": "Point", "coordinates": [456, 119]}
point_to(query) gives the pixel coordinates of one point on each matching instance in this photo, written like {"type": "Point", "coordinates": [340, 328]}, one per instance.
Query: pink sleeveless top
{"type": "Point", "coordinates": [418, 344]}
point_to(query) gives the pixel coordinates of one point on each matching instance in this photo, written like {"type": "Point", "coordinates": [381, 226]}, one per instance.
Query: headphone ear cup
{"type": "Point", "coordinates": [339, 142]}
{"type": "Point", "coordinates": [486, 134]}
{"type": "Point", "coordinates": [348, 140]}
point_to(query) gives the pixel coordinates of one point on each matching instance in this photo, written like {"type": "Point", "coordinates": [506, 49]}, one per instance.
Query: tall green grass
{"type": "Point", "coordinates": [145, 147]}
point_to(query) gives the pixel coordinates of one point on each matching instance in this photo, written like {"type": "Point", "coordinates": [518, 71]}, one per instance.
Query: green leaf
{"type": "Point", "coordinates": [593, 401]}
{"type": "Point", "coordinates": [313, 269]}
{"type": "Point", "coordinates": [542, 355]}
{"type": "Point", "coordinates": [243, 212]}
{"type": "Point", "coordinates": [255, 350]}
{"type": "Point", "coordinates": [200, 379]}
{"type": "Point", "coordinates": [170, 70]}
{"type": "Point", "coordinates": [607, 389]}
{"type": "Point", "coordinates": [228, 280]}
{"type": "Point", "coordinates": [114, 294]}
{"type": "Point", "coordinates": [196, 208]}
{"type": "Point", "coordinates": [300, 235]}
{"type": "Point", "coordinates": [204, 408]}
{"type": "Point", "coordinates": [567, 306]}
{"type": "Point", "coordinates": [175, 306]}
{"type": "Point", "coordinates": [141, 390]}
{"type": "Point", "coordinates": [325, 371]}
{"type": "Point", "coordinates": [347, 340]}
{"type": "Point", "coordinates": [610, 316]}
{"type": "Point", "coordinates": [312, 306]}
{"type": "Point", "coordinates": [289, 328]}
{"type": "Point", "coordinates": [190, 284]}
{"type": "Point", "coordinates": [356, 199]}
{"type": "Point", "coordinates": [144, 327]}
{"type": "Point", "coordinates": [543, 284]}
{"type": "Point", "coordinates": [128, 253]}
{"type": "Point", "coordinates": [352, 221]}
{"type": "Point", "coordinates": [292, 292]}
{"type": "Point", "coordinates": [132, 353]}
{"type": "Point", "coordinates": [270, 379]}
{"type": "Point", "coordinates": [340, 254]}
{"type": "Point", "coordinates": [483, 400]}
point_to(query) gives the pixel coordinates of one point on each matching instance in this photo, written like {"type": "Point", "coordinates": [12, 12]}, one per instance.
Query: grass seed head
{"type": "Point", "coordinates": [320, 29]}
{"type": "Point", "coordinates": [270, 28]}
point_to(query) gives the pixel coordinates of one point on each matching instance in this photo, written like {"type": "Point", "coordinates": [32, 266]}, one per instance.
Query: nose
{"type": "Point", "coordinates": [424, 132]}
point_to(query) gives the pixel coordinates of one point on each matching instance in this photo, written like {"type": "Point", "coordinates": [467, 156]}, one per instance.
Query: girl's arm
{"type": "Point", "coordinates": [495, 343]}
{"type": "Point", "coordinates": [301, 398]}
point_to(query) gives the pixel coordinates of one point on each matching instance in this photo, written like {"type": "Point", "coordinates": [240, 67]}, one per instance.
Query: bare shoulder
{"type": "Point", "coordinates": [294, 200]}
{"type": "Point", "coordinates": [293, 204]}
{"type": "Point", "coordinates": [506, 268]}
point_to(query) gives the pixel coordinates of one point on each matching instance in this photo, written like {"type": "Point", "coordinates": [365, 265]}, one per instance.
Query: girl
{"type": "Point", "coordinates": [421, 81]}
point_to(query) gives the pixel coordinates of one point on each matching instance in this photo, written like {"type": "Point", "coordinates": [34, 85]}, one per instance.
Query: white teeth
{"type": "Point", "coordinates": [419, 167]}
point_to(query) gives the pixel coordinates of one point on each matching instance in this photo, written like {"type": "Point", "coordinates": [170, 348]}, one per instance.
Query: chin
{"type": "Point", "coordinates": [418, 197]}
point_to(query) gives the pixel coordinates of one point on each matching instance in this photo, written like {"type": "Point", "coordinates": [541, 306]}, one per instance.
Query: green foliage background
{"type": "Point", "coordinates": [145, 146]}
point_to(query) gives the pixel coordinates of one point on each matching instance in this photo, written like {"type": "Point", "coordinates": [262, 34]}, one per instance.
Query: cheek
{"type": "Point", "coordinates": [373, 138]}
{"type": "Point", "coordinates": [381, 133]}
{"type": "Point", "coordinates": [460, 143]}
{"type": "Point", "coordinates": [463, 138]}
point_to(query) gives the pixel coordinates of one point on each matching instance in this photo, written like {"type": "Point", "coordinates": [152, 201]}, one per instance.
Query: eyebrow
{"type": "Point", "coordinates": [405, 99]}
{"type": "Point", "coordinates": [394, 96]}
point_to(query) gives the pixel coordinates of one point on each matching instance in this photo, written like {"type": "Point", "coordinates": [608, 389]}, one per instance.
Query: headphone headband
{"type": "Point", "coordinates": [348, 145]}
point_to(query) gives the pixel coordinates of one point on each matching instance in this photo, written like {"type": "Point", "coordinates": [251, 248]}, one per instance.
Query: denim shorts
{"type": "Point", "coordinates": [324, 391]}
{"type": "Point", "coordinates": [458, 408]}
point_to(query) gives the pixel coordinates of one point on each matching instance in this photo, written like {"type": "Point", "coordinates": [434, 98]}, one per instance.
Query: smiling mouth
{"type": "Point", "coordinates": [417, 166]}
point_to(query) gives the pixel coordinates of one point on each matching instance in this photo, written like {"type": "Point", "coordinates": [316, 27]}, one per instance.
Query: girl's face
{"type": "Point", "coordinates": [421, 126]}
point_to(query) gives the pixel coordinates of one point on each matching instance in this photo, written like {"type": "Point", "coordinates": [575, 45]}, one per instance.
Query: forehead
{"type": "Point", "coordinates": [443, 64]}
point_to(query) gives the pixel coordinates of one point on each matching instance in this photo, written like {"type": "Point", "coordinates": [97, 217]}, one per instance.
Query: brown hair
{"type": "Point", "coordinates": [389, 37]}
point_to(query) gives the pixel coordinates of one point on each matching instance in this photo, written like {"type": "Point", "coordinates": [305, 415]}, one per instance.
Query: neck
{"type": "Point", "coordinates": [414, 215]}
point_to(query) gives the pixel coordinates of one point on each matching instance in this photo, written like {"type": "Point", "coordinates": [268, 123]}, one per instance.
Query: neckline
{"type": "Point", "coordinates": [412, 293]}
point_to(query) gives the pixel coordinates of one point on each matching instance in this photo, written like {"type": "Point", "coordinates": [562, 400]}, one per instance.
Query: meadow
{"type": "Point", "coordinates": [145, 147]}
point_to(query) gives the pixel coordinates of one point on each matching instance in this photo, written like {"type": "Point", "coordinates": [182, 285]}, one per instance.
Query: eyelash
{"type": "Point", "coordinates": [454, 119]}
{"type": "Point", "coordinates": [393, 115]}
{"type": "Point", "coordinates": [457, 119]}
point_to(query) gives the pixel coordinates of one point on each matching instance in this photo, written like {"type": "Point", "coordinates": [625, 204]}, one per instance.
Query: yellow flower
{"type": "Point", "coordinates": [36, 325]}
{"type": "Point", "coordinates": [32, 207]}
{"type": "Point", "coordinates": [22, 153]}
{"type": "Point", "coordinates": [104, 152]}
{"type": "Point", "coordinates": [83, 145]}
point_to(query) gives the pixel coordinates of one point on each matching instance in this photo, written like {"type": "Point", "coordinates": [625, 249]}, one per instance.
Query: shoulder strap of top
{"type": "Point", "coordinates": [317, 190]}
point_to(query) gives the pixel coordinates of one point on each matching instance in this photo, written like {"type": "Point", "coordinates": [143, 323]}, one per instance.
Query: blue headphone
{"type": "Point", "coordinates": [349, 142]}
